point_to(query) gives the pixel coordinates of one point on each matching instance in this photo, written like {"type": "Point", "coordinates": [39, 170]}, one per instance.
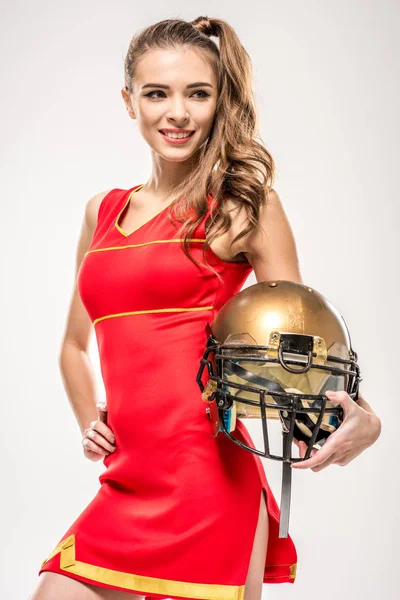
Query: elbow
{"type": "Point", "coordinates": [65, 352]}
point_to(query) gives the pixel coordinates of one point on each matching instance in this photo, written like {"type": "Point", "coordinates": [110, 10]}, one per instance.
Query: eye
{"type": "Point", "coordinates": [150, 94]}
{"type": "Point", "coordinates": [202, 92]}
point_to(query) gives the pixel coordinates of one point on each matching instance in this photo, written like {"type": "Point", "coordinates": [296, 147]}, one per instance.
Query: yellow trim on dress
{"type": "Point", "coordinates": [122, 210]}
{"type": "Point", "coordinates": [145, 244]}
{"type": "Point", "coordinates": [155, 310]}
{"type": "Point", "coordinates": [141, 583]}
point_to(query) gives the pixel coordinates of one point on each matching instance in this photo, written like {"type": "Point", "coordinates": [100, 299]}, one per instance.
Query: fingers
{"type": "Point", "coordinates": [317, 458]}
{"type": "Point", "coordinates": [102, 410]}
{"type": "Point", "coordinates": [325, 463]}
{"type": "Point", "coordinates": [99, 438]}
{"type": "Point", "coordinates": [302, 446]}
{"type": "Point", "coordinates": [91, 445]}
{"type": "Point", "coordinates": [103, 429]}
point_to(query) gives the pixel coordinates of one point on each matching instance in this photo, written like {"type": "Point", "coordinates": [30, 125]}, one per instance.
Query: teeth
{"type": "Point", "coordinates": [176, 135]}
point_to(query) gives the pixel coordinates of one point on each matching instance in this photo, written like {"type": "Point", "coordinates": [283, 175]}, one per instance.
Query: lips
{"type": "Point", "coordinates": [166, 131]}
{"type": "Point", "coordinates": [177, 141]}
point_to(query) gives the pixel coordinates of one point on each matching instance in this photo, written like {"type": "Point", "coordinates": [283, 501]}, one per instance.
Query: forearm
{"type": "Point", "coordinates": [79, 383]}
{"type": "Point", "coordinates": [375, 420]}
{"type": "Point", "coordinates": [364, 404]}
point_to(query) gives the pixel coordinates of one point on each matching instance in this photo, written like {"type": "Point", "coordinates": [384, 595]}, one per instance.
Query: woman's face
{"type": "Point", "coordinates": [165, 97]}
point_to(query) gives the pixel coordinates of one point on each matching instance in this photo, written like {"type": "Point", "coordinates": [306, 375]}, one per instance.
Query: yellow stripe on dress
{"type": "Point", "coordinates": [154, 310]}
{"type": "Point", "coordinates": [144, 244]}
{"type": "Point", "coordinates": [143, 583]}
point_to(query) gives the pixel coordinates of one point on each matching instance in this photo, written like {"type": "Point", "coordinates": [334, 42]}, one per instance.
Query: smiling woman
{"type": "Point", "coordinates": [178, 116]}
{"type": "Point", "coordinates": [179, 513]}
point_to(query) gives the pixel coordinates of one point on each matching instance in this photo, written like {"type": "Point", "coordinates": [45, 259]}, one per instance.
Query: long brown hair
{"type": "Point", "coordinates": [232, 162]}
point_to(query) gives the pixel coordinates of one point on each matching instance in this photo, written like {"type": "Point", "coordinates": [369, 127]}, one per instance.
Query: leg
{"type": "Point", "coordinates": [54, 585]}
{"type": "Point", "coordinates": [254, 580]}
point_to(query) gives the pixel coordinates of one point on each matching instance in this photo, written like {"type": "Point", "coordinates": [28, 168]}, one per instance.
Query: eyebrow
{"type": "Point", "coordinates": [166, 87]}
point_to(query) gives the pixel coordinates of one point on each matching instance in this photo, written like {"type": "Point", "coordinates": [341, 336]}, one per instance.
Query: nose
{"type": "Point", "coordinates": [177, 111]}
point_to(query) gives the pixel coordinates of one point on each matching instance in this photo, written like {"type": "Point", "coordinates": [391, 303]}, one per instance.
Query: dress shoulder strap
{"type": "Point", "coordinates": [107, 211]}
{"type": "Point", "coordinates": [110, 200]}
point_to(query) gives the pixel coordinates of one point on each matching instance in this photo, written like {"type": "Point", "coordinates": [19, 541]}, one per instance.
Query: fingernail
{"type": "Point", "coordinates": [331, 394]}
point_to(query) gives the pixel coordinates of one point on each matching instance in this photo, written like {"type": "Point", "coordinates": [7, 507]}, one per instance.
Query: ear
{"type": "Point", "coordinates": [128, 103]}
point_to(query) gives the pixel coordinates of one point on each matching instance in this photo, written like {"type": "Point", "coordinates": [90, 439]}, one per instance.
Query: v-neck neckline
{"type": "Point", "coordinates": [124, 233]}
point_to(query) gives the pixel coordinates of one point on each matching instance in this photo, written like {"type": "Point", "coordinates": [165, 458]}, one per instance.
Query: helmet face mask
{"type": "Point", "coordinates": [248, 379]}
{"type": "Point", "coordinates": [283, 379]}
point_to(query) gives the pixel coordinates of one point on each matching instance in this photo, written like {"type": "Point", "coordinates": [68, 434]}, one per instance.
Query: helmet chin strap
{"type": "Point", "coordinates": [273, 386]}
{"type": "Point", "coordinates": [235, 369]}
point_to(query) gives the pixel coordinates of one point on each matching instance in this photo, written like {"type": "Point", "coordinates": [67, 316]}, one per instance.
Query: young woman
{"type": "Point", "coordinates": [179, 514]}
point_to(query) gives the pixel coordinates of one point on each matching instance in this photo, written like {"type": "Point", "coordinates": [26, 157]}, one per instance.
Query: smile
{"type": "Point", "coordinates": [177, 138]}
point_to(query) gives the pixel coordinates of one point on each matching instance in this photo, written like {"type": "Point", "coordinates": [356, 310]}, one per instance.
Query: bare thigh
{"type": "Point", "coordinates": [54, 586]}
{"type": "Point", "coordinates": [255, 574]}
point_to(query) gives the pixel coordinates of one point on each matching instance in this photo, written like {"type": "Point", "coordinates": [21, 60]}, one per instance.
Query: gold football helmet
{"type": "Point", "coordinates": [272, 351]}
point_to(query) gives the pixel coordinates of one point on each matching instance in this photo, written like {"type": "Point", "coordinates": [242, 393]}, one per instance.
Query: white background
{"type": "Point", "coordinates": [326, 78]}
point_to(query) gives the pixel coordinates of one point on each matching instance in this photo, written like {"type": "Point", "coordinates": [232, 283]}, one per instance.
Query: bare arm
{"type": "Point", "coordinates": [271, 248]}
{"type": "Point", "coordinates": [75, 365]}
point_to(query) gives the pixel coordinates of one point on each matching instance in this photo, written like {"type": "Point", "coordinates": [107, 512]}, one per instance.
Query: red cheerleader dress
{"type": "Point", "coordinates": [176, 512]}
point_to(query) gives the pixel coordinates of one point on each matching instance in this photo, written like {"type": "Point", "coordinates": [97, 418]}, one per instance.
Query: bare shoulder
{"type": "Point", "coordinates": [92, 209]}
{"type": "Point", "coordinates": [224, 244]}
{"type": "Point", "coordinates": [78, 327]}
{"type": "Point", "coordinates": [89, 223]}
{"type": "Point", "coordinates": [251, 242]}
{"type": "Point", "coordinates": [270, 247]}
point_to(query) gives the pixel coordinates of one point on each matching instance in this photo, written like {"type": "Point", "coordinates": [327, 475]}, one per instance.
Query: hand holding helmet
{"type": "Point", "coordinates": [273, 350]}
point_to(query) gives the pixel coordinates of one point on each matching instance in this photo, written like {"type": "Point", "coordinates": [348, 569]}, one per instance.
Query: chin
{"type": "Point", "coordinates": [177, 157]}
